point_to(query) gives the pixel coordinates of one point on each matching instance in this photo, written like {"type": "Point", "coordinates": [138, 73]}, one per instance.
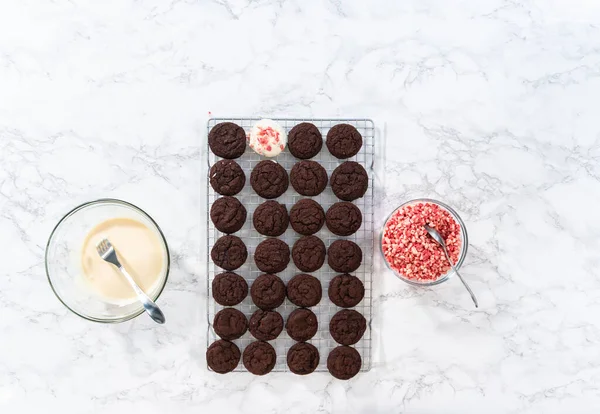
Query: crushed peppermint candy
{"type": "Point", "coordinates": [267, 138]}
{"type": "Point", "coordinates": [408, 248]}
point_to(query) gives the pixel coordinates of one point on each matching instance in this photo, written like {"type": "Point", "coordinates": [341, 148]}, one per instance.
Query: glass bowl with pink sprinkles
{"type": "Point", "coordinates": [411, 253]}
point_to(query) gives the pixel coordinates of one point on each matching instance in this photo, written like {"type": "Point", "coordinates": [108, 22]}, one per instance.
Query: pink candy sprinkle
{"type": "Point", "coordinates": [408, 248]}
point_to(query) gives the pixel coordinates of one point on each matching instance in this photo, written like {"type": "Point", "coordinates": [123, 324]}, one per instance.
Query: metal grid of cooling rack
{"type": "Point", "coordinates": [364, 237]}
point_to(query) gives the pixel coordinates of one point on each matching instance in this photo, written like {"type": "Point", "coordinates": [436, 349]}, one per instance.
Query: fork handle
{"type": "Point", "coordinates": [151, 308]}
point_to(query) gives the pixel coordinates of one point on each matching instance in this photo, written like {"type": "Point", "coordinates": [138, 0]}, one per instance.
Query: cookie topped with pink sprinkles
{"type": "Point", "coordinates": [267, 138]}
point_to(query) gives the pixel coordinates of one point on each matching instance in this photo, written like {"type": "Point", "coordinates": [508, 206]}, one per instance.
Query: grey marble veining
{"type": "Point", "coordinates": [490, 106]}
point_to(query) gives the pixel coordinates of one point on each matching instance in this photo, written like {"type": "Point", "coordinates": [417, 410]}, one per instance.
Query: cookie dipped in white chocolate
{"type": "Point", "coordinates": [267, 138]}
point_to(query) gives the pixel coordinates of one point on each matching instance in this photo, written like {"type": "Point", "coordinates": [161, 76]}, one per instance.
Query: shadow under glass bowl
{"type": "Point", "coordinates": [63, 261]}
{"type": "Point", "coordinates": [463, 249]}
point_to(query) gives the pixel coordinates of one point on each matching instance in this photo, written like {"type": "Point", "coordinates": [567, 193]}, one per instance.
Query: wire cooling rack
{"type": "Point", "coordinates": [364, 237]}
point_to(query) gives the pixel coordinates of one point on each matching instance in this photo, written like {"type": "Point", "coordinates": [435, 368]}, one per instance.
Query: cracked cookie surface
{"type": "Point", "coordinates": [259, 358]}
{"type": "Point", "coordinates": [229, 252]}
{"type": "Point", "coordinates": [266, 325]}
{"type": "Point", "coordinates": [349, 181]}
{"type": "Point", "coordinates": [307, 217]}
{"type": "Point", "coordinates": [269, 179]}
{"type": "Point", "coordinates": [344, 256]}
{"type": "Point", "coordinates": [302, 325]}
{"type": "Point", "coordinates": [305, 140]}
{"type": "Point", "coordinates": [344, 141]}
{"type": "Point", "coordinates": [271, 218]}
{"type": "Point", "coordinates": [309, 253]}
{"type": "Point", "coordinates": [308, 178]}
{"type": "Point", "coordinates": [227, 177]}
{"type": "Point", "coordinates": [228, 214]}
{"type": "Point", "coordinates": [268, 292]}
{"type": "Point", "coordinates": [347, 327]}
{"type": "Point", "coordinates": [227, 140]}
{"type": "Point", "coordinates": [304, 290]}
{"type": "Point", "coordinates": [272, 255]}
{"type": "Point", "coordinates": [229, 289]}
{"type": "Point", "coordinates": [343, 218]}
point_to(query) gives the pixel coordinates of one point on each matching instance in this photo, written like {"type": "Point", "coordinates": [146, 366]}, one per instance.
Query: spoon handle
{"type": "Point", "coordinates": [461, 278]}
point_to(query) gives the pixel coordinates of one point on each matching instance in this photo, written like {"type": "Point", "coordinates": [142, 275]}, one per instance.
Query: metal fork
{"type": "Point", "coordinates": [107, 252]}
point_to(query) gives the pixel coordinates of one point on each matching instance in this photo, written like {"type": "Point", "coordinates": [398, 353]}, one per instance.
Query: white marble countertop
{"type": "Point", "coordinates": [489, 105]}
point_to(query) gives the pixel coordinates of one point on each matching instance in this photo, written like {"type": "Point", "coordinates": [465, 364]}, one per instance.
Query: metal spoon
{"type": "Point", "coordinates": [440, 240]}
{"type": "Point", "coordinates": [107, 253]}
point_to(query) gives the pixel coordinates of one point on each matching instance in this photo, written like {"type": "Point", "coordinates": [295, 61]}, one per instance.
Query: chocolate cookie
{"type": "Point", "coordinates": [227, 177]}
{"type": "Point", "coordinates": [307, 217]}
{"type": "Point", "coordinates": [303, 358]}
{"type": "Point", "coordinates": [228, 214]}
{"type": "Point", "coordinates": [346, 291]}
{"type": "Point", "coordinates": [344, 256]}
{"type": "Point", "coordinates": [272, 255]}
{"type": "Point", "coordinates": [229, 252]}
{"type": "Point", "coordinates": [268, 292]}
{"type": "Point", "coordinates": [344, 141]}
{"type": "Point", "coordinates": [222, 356]}
{"type": "Point", "coordinates": [343, 218]}
{"type": "Point", "coordinates": [271, 218]}
{"type": "Point", "coordinates": [347, 327]}
{"type": "Point", "coordinates": [259, 358]}
{"type": "Point", "coordinates": [227, 140]}
{"type": "Point", "coordinates": [308, 178]}
{"type": "Point", "coordinates": [229, 289]}
{"type": "Point", "coordinates": [304, 290]}
{"type": "Point", "coordinates": [349, 181]}
{"type": "Point", "coordinates": [266, 325]}
{"type": "Point", "coordinates": [269, 179]}
{"type": "Point", "coordinates": [305, 141]}
{"type": "Point", "coordinates": [344, 362]}
{"type": "Point", "coordinates": [230, 323]}
{"type": "Point", "coordinates": [308, 253]}
{"type": "Point", "coordinates": [302, 325]}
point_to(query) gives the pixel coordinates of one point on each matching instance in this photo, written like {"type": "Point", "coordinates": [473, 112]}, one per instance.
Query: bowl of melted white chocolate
{"type": "Point", "coordinates": [93, 288]}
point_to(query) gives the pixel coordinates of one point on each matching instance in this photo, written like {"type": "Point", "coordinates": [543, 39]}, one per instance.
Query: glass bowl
{"type": "Point", "coordinates": [463, 249]}
{"type": "Point", "coordinates": [63, 261]}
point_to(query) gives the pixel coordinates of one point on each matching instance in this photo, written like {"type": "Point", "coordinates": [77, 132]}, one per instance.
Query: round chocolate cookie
{"type": "Point", "coordinates": [259, 358]}
{"type": "Point", "coordinates": [344, 141]}
{"type": "Point", "coordinates": [223, 356]}
{"type": "Point", "coordinates": [303, 358]}
{"type": "Point", "coordinates": [307, 217]}
{"type": "Point", "coordinates": [269, 179]}
{"type": "Point", "coordinates": [272, 255]}
{"type": "Point", "coordinates": [344, 256]}
{"type": "Point", "coordinates": [268, 292]}
{"type": "Point", "coordinates": [308, 253]}
{"type": "Point", "coordinates": [347, 327]}
{"type": "Point", "coordinates": [305, 140]}
{"type": "Point", "coordinates": [228, 214]}
{"type": "Point", "coordinates": [227, 177]}
{"type": "Point", "coordinates": [346, 291]}
{"type": "Point", "coordinates": [349, 181]}
{"type": "Point", "coordinates": [302, 325]}
{"type": "Point", "coordinates": [308, 178]}
{"type": "Point", "coordinates": [343, 218]}
{"type": "Point", "coordinates": [229, 252]}
{"type": "Point", "coordinates": [271, 218]}
{"type": "Point", "coordinates": [344, 362]}
{"type": "Point", "coordinates": [227, 140]}
{"type": "Point", "coordinates": [230, 323]}
{"type": "Point", "coordinates": [266, 325]}
{"type": "Point", "coordinates": [229, 289]}
{"type": "Point", "coordinates": [304, 290]}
